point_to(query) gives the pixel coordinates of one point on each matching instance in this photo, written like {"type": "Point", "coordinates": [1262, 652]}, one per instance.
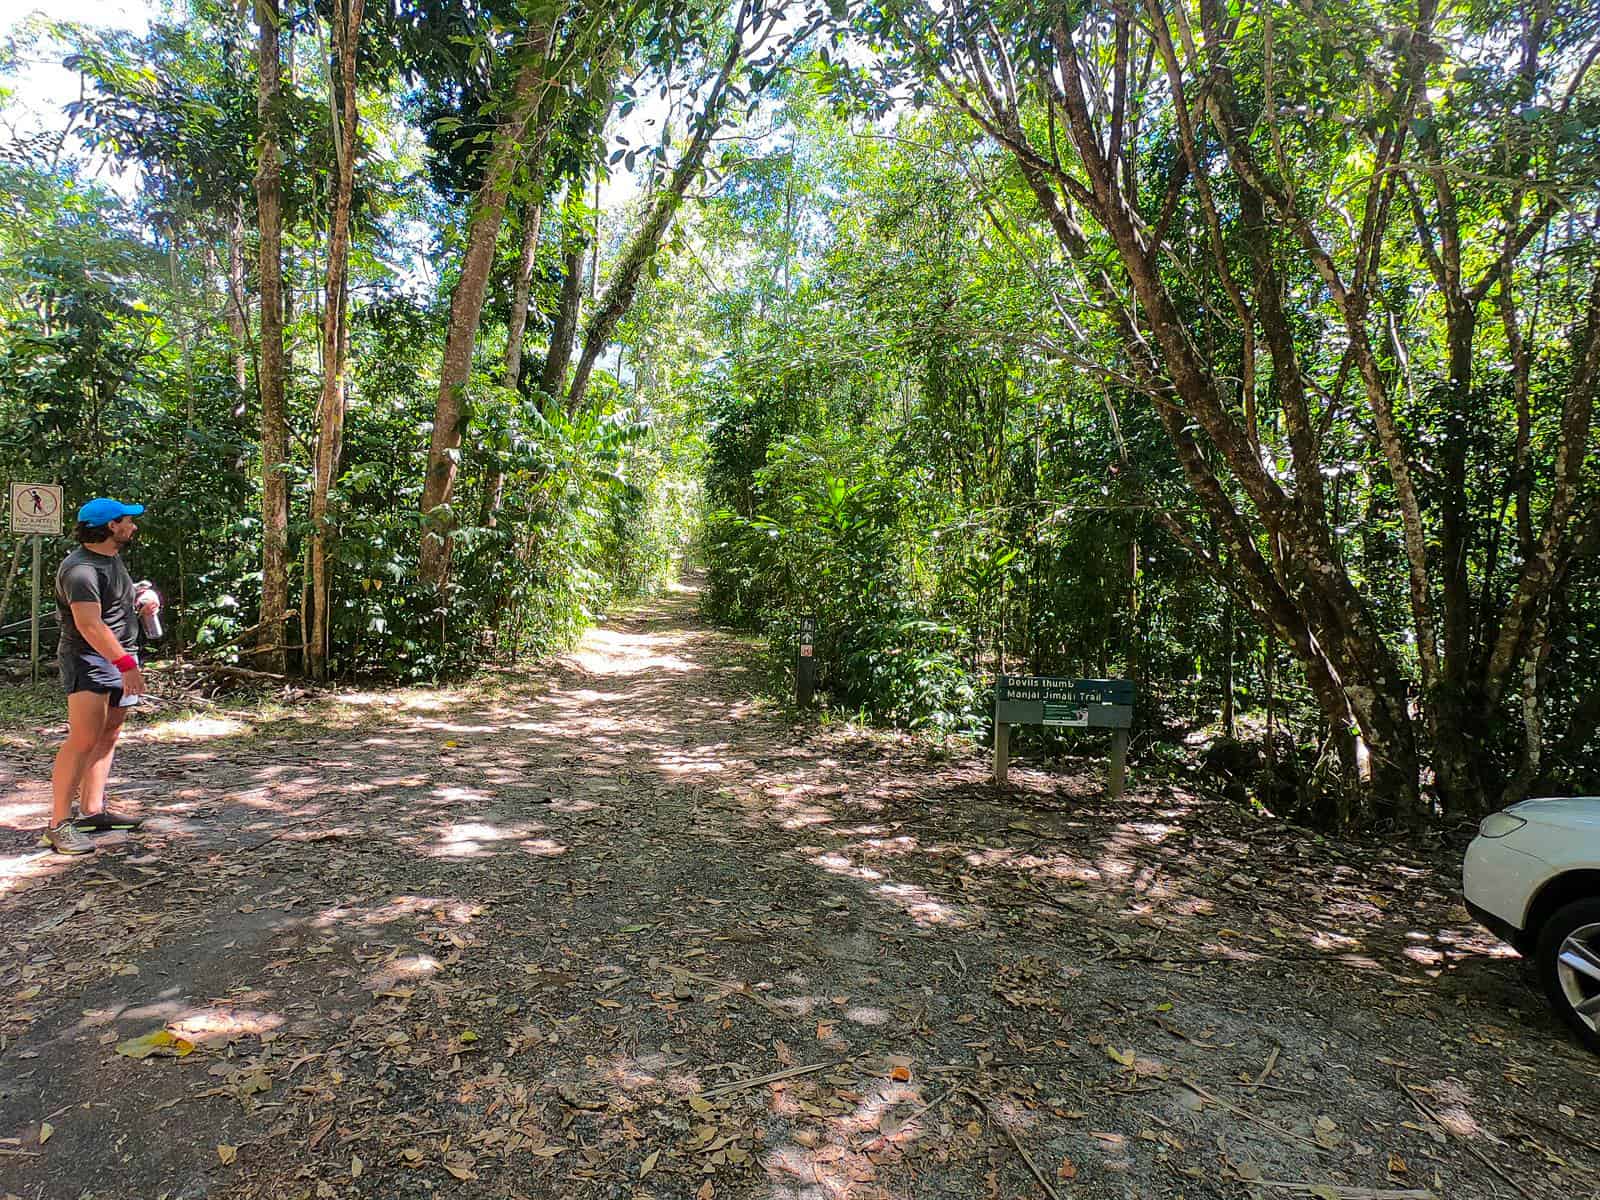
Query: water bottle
{"type": "Point", "coordinates": [149, 618]}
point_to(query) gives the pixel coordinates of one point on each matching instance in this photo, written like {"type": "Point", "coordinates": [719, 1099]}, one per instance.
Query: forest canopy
{"type": "Point", "coordinates": [1248, 353]}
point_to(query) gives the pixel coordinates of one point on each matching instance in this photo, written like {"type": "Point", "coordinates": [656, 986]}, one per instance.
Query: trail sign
{"type": "Point", "coordinates": [36, 508]}
{"type": "Point", "coordinates": [805, 663]}
{"type": "Point", "coordinates": [35, 511]}
{"type": "Point", "coordinates": [1062, 702]}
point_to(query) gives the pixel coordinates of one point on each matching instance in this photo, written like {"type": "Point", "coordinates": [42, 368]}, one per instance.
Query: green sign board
{"type": "Point", "coordinates": [1062, 702]}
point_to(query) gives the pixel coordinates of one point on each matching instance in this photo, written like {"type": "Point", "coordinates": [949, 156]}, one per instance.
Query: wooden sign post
{"type": "Point", "coordinates": [36, 510]}
{"type": "Point", "coordinates": [1060, 702]}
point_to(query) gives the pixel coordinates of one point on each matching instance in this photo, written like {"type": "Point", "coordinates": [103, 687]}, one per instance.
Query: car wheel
{"type": "Point", "coordinates": [1569, 968]}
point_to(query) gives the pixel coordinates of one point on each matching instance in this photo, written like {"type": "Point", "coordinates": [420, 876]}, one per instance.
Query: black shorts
{"type": "Point", "coordinates": [91, 673]}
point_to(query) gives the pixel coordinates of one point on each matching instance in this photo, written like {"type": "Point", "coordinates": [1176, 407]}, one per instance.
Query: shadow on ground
{"type": "Point", "coordinates": [548, 935]}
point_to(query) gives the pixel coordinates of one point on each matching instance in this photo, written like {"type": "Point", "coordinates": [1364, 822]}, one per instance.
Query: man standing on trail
{"type": "Point", "coordinates": [99, 607]}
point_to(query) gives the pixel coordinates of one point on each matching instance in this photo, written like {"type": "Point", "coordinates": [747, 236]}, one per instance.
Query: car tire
{"type": "Point", "coordinates": [1568, 965]}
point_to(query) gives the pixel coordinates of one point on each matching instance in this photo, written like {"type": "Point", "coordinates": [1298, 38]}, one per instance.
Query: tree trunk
{"type": "Point", "coordinates": [466, 306]}
{"type": "Point", "coordinates": [269, 373]}
{"type": "Point", "coordinates": [238, 322]}
{"type": "Point", "coordinates": [523, 288]}
{"type": "Point", "coordinates": [624, 283]}
{"type": "Point", "coordinates": [565, 328]}
{"type": "Point", "coordinates": [331, 405]}
{"type": "Point", "coordinates": [516, 326]}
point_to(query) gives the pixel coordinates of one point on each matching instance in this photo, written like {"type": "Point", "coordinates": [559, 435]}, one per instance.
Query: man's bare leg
{"type": "Point", "coordinates": [92, 788]}
{"type": "Point", "coordinates": [87, 713]}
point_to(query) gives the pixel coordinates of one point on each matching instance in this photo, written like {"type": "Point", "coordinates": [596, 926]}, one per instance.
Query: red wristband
{"type": "Point", "coordinates": [126, 663]}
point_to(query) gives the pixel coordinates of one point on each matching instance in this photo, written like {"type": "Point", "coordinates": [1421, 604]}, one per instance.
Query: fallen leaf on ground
{"type": "Point", "coordinates": [45, 1131]}
{"type": "Point", "coordinates": [159, 1042]}
{"type": "Point", "coordinates": [227, 1153]}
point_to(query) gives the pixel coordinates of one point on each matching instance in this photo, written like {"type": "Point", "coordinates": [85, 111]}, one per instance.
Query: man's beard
{"type": "Point", "coordinates": [123, 539]}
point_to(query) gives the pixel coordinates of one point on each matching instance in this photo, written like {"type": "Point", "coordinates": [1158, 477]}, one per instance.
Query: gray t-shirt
{"type": "Point", "coordinates": [102, 579]}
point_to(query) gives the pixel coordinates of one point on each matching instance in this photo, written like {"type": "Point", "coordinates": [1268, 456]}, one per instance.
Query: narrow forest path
{"type": "Point", "coordinates": [542, 935]}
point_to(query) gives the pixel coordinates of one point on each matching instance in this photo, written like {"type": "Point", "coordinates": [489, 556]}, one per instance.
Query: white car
{"type": "Point", "coordinates": [1532, 875]}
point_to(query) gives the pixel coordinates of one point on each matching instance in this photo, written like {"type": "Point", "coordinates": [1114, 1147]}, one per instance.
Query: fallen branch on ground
{"type": "Point", "coordinates": [1334, 1191]}
{"type": "Point", "coordinates": [742, 1085]}
{"type": "Point", "coordinates": [1250, 1116]}
{"type": "Point", "coordinates": [1033, 1167]}
{"type": "Point", "coordinates": [1423, 1107]}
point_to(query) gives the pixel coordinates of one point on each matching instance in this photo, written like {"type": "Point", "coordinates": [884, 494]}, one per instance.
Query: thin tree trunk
{"type": "Point", "coordinates": [238, 322]}
{"type": "Point", "coordinates": [331, 405]}
{"type": "Point", "coordinates": [565, 328]}
{"type": "Point", "coordinates": [269, 373]}
{"type": "Point", "coordinates": [466, 305]}
{"type": "Point", "coordinates": [11, 575]}
{"type": "Point", "coordinates": [522, 288]}
{"type": "Point", "coordinates": [624, 283]}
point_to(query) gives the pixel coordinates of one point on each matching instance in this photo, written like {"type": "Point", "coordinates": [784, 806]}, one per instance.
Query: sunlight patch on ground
{"type": "Point", "coordinates": [17, 870]}
{"type": "Point", "coordinates": [441, 908]}
{"type": "Point", "coordinates": [194, 727]}
{"type": "Point", "coordinates": [221, 1025]}
{"type": "Point", "coordinates": [198, 1023]}
{"type": "Point", "coordinates": [401, 970]}
{"type": "Point", "coordinates": [613, 652]}
{"type": "Point", "coordinates": [462, 795]}
{"type": "Point", "coordinates": [922, 907]}
{"type": "Point", "coordinates": [837, 1165]}
{"type": "Point", "coordinates": [473, 839]}
{"type": "Point", "coordinates": [453, 727]}
{"type": "Point", "coordinates": [803, 818]}
{"type": "Point", "coordinates": [542, 847]}
{"type": "Point", "coordinates": [867, 1014]}
{"type": "Point", "coordinates": [23, 812]}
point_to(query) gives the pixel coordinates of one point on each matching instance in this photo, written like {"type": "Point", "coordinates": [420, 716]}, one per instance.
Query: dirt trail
{"type": "Point", "coordinates": [539, 936]}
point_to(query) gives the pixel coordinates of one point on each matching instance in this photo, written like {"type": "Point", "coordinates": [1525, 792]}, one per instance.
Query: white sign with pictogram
{"type": "Point", "coordinates": [36, 508]}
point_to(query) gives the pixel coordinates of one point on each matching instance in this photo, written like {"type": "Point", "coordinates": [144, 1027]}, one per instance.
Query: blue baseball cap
{"type": "Point", "coordinates": [104, 510]}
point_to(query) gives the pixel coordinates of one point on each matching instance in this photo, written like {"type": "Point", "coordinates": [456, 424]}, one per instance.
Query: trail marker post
{"type": "Point", "coordinates": [805, 663]}
{"type": "Point", "coordinates": [35, 511]}
{"type": "Point", "coordinates": [1056, 701]}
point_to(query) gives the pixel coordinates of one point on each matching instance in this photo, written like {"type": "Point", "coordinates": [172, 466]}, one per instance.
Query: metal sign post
{"type": "Point", "coordinates": [33, 629]}
{"type": "Point", "coordinates": [36, 510]}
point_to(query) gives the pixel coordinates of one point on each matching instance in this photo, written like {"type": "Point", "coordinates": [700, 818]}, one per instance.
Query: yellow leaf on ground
{"type": "Point", "coordinates": [1125, 1057]}
{"type": "Point", "coordinates": [227, 1153]}
{"type": "Point", "coordinates": [355, 1167]}
{"type": "Point", "coordinates": [28, 993]}
{"type": "Point", "coordinates": [45, 1131]}
{"type": "Point", "coordinates": [157, 1041]}
{"type": "Point", "coordinates": [649, 1163]}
